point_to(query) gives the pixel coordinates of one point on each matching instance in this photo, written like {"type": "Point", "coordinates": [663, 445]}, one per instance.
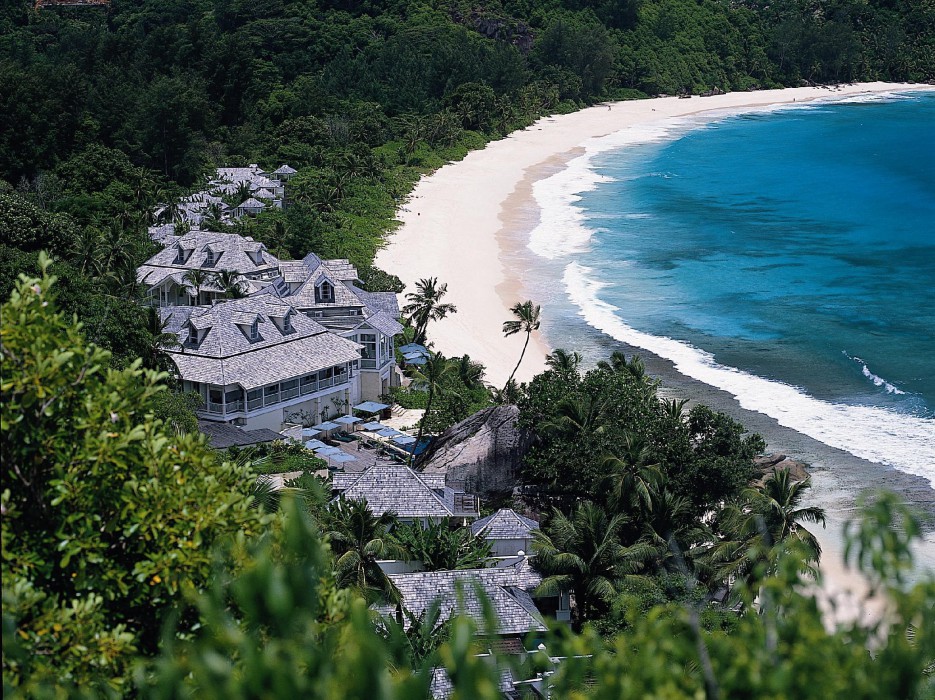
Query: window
{"type": "Point", "coordinates": [369, 341]}
{"type": "Point", "coordinates": [210, 258]}
{"type": "Point", "coordinates": [287, 323]}
{"type": "Point", "coordinates": [324, 292]}
{"type": "Point", "coordinates": [255, 330]}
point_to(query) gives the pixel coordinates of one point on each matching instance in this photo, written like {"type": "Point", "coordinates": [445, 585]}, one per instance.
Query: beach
{"type": "Point", "coordinates": [468, 224]}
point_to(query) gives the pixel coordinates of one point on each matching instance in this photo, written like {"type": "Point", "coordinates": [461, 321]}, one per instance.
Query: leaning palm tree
{"type": "Point", "coordinates": [197, 279]}
{"type": "Point", "coordinates": [527, 320]}
{"type": "Point", "coordinates": [560, 360]}
{"type": "Point", "coordinates": [359, 539]}
{"type": "Point", "coordinates": [425, 305]}
{"type": "Point", "coordinates": [433, 372]}
{"type": "Point", "coordinates": [583, 554]}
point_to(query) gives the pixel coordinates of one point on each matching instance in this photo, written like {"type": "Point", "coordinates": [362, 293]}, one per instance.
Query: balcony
{"type": "Point", "coordinates": [275, 394]}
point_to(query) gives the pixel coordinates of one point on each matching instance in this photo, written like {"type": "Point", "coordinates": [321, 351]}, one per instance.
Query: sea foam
{"type": "Point", "coordinates": [897, 440]}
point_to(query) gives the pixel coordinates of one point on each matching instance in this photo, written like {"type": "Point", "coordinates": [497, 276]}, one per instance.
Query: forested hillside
{"type": "Point", "coordinates": [108, 111]}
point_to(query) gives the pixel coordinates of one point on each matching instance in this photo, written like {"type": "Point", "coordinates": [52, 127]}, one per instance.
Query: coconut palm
{"type": "Point", "coordinates": [668, 526]}
{"type": "Point", "coordinates": [430, 376]}
{"type": "Point", "coordinates": [583, 554]}
{"type": "Point", "coordinates": [631, 475]}
{"type": "Point", "coordinates": [509, 395]}
{"type": "Point", "coordinates": [231, 284]}
{"type": "Point", "coordinates": [619, 363]}
{"type": "Point", "coordinates": [527, 320]}
{"type": "Point", "coordinates": [470, 373]}
{"type": "Point", "coordinates": [765, 518]}
{"type": "Point", "coordinates": [160, 341]}
{"type": "Point", "coordinates": [674, 408]}
{"type": "Point", "coordinates": [425, 305]}
{"type": "Point", "coordinates": [560, 360]}
{"type": "Point", "coordinates": [197, 279]}
{"type": "Point", "coordinates": [578, 416]}
{"type": "Point", "coordinates": [359, 539]}
{"type": "Point", "coordinates": [87, 251]}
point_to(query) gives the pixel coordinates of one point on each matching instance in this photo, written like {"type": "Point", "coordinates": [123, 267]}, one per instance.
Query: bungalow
{"type": "Point", "coordinates": [284, 173]}
{"type": "Point", "coordinates": [258, 363]}
{"type": "Point", "coordinates": [513, 607]}
{"type": "Point", "coordinates": [508, 532]}
{"type": "Point", "coordinates": [249, 207]}
{"type": "Point", "coordinates": [414, 497]}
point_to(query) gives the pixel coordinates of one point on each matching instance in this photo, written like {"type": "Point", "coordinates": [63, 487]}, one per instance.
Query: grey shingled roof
{"type": "Point", "coordinates": [505, 524]}
{"type": "Point", "coordinates": [395, 488]}
{"type": "Point", "coordinates": [224, 435]}
{"type": "Point", "coordinates": [379, 301]}
{"type": "Point", "coordinates": [513, 607]}
{"type": "Point", "coordinates": [284, 170]}
{"type": "Point", "coordinates": [227, 356]}
{"type": "Point", "coordinates": [384, 323]}
{"type": "Point", "coordinates": [251, 204]}
{"type": "Point", "coordinates": [233, 251]}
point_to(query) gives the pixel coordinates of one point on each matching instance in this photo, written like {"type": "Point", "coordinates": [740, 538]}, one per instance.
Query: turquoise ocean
{"type": "Point", "coordinates": [784, 255]}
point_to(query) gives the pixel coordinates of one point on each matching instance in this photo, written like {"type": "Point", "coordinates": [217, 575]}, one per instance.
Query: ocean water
{"type": "Point", "coordinates": [784, 255]}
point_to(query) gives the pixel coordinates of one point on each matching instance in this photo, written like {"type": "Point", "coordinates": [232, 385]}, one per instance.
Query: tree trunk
{"type": "Point", "coordinates": [520, 360]}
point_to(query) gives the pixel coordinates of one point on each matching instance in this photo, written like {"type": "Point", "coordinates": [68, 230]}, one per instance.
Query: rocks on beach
{"type": "Point", "coordinates": [771, 463]}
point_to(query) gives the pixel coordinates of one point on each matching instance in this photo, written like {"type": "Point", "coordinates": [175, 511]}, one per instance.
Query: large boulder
{"type": "Point", "coordinates": [483, 452]}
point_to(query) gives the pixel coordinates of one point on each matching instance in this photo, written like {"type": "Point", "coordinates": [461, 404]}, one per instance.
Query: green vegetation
{"type": "Point", "coordinates": [137, 564]}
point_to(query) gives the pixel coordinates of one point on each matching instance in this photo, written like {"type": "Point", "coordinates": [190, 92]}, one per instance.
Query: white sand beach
{"type": "Point", "coordinates": [462, 222]}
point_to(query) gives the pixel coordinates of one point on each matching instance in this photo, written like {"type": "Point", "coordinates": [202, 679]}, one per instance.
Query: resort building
{"type": "Point", "coordinates": [326, 291]}
{"type": "Point", "coordinates": [508, 532]}
{"type": "Point", "coordinates": [414, 497]}
{"type": "Point", "coordinates": [164, 274]}
{"type": "Point", "coordinates": [259, 363]}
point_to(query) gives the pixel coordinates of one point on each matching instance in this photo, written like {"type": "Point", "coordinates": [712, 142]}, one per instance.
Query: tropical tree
{"type": "Point", "coordinates": [425, 305]}
{"type": "Point", "coordinates": [358, 539]}
{"type": "Point", "coordinates": [414, 640]}
{"type": "Point", "coordinates": [578, 416]}
{"type": "Point", "coordinates": [435, 370]}
{"type": "Point", "coordinates": [765, 518]}
{"type": "Point", "coordinates": [160, 341]}
{"type": "Point", "coordinates": [619, 363]}
{"type": "Point", "coordinates": [527, 320]}
{"type": "Point", "coordinates": [631, 475]}
{"type": "Point", "coordinates": [561, 360]}
{"type": "Point", "coordinates": [442, 548]}
{"type": "Point", "coordinates": [510, 394]}
{"type": "Point", "coordinates": [197, 279]}
{"type": "Point", "coordinates": [231, 284]}
{"type": "Point", "coordinates": [470, 373]}
{"type": "Point", "coordinates": [584, 554]}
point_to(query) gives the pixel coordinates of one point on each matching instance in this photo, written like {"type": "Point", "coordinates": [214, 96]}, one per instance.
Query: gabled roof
{"type": "Point", "coordinates": [251, 204]}
{"type": "Point", "coordinates": [378, 301]}
{"type": "Point", "coordinates": [384, 323]}
{"type": "Point", "coordinates": [505, 524]}
{"type": "Point", "coordinates": [513, 607]}
{"type": "Point", "coordinates": [397, 488]}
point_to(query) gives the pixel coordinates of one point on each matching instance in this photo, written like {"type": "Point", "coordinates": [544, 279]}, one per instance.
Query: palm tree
{"type": "Point", "coordinates": [668, 526]}
{"type": "Point", "coordinates": [764, 519]}
{"type": "Point", "coordinates": [86, 250]}
{"type": "Point", "coordinates": [196, 279]}
{"type": "Point", "coordinates": [509, 395]}
{"type": "Point", "coordinates": [425, 305]}
{"type": "Point", "coordinates": [441, 548]}
{"type": "Point", "coordinates": [433, 372]}
{"type": "Point", "coordinates": [470, 373]}
{"type": "Point", "coordinates": [674, 408]}
{"type": "Point", "coordinates": [527, 320]}
{"type": "Point", "coordinates": [619, 363]}
{"type": "Point", "coordinates": [583, 554]}
{"type": "Point", "coordinates": [578, 415]}
{"type": "Point", "coordinates": [160, 341]}
{"type": "Point", "coordinates": [561, 360]}
{"type": "Point", "coordinates": [415, 639]}
{"type": "Point", "coordinates": [359, 539]}
{"type": "Point", "coordinates": [231, 283]}
{"type": "Point", "coordinates": [631, 475]}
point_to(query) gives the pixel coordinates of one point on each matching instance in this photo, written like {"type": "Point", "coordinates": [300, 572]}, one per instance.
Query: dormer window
{"type": "Point", "coordinates": [211, 258]}
{"type": "Point", "coordinates": [287, 324]}
{"type": "Point", "coordinates": [324, 292]}
{"type": "Point", "coordinates": [182, 255]}
{"type": "Point", "coordinates": [255, 330]}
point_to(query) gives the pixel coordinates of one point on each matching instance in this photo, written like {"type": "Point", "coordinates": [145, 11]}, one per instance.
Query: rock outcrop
{"type": "Point", "coordinates": [483, 452]}
{"type": "Point", "coordinates": [769, 464]}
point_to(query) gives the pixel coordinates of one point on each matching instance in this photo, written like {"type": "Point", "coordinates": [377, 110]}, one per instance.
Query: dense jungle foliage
{"type": "Point", "coordinates": [109, 111]}
{"type": "Point", "coordinates": [137, 564]}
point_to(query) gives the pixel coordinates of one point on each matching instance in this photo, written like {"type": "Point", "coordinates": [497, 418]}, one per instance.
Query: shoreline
{"type": "Point", "coordinates": [482, 254]}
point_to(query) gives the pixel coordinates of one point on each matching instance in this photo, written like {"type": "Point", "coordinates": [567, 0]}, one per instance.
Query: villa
{"type": "Point", "coordinates": [259, 363]}
{"type": "Point", "coordinates": [508, 532]}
